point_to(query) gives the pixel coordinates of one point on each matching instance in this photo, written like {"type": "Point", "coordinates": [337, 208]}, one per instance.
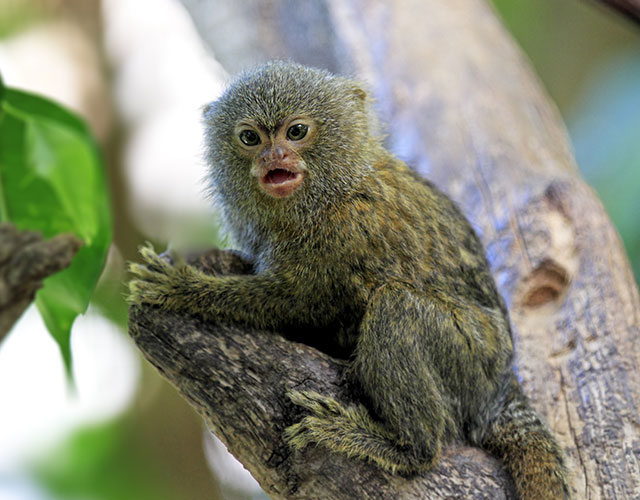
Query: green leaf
{"type": "Point", "coordinates": [102, 462]}
{"type": "Point", "coordinates": [52, 181]}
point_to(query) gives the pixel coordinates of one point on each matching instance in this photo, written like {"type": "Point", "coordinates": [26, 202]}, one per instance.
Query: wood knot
{"type": "Point", "coordinates": [546, 283]}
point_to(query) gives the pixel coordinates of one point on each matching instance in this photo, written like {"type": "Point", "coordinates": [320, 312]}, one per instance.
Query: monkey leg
{"type": "Point", "coordinates": [420, 360]}
{"type": "Point", "coordinates": [392, 366]}
{"type": "Point", "coordinates": [428, 363]}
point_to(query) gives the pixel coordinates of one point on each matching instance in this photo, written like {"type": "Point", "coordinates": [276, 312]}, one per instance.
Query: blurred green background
{"type": "Point", "coordinates": [587, 57]}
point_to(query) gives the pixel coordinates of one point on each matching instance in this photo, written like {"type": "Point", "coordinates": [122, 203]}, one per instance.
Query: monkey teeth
{"type": "Point", "coordinates": [279, 175]}
{"type": "Point", "coordinates": [281, 182]}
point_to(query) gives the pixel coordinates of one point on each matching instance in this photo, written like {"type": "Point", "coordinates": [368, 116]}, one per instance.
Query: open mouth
{"type": "Point", "coordinates": [280, 182]}
{"type": "Point", "coordinates": [279, 176]}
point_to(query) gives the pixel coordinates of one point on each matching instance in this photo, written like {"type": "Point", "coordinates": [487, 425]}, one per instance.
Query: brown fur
{"type": "Point", "coordinates": [371, 263]}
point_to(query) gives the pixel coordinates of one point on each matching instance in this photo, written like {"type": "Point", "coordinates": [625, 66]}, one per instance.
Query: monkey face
{"type": "Point", "coordinates": [276, 155]}
{"type": "Point", "coordinates": [284, 139]}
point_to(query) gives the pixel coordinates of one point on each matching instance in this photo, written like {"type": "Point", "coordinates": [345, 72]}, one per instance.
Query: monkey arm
{"type": "Point", "coordinates": [219, 262]}
{"type": "Point", "coordinates": [265, 301]}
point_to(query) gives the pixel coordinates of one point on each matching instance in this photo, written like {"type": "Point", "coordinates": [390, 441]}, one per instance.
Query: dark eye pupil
{"type": "Point", "coordinates": [297, 132]}
{"type": "Point", "coordinates": [249, 137]}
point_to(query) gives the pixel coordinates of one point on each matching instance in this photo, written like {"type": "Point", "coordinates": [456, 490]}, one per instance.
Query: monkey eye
{"type": "Point", "coordinates": [297, 131]}
{"type": "Point", "coordinates": [249, 137]}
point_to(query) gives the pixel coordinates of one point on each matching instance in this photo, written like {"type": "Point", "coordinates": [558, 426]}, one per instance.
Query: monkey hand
{"type": "Point", "coordinates": [160, 283]}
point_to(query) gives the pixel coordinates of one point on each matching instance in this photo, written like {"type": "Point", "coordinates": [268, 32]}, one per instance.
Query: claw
{"type": "Point", "coordinates": [310, 430]}
{"type": "Point", "coordinates": [142, 271]}
{"type": "Point", "coordinates": [316, 403]}
{"type": "Point", "coordinates": [296, 436]}
{"type": "Point", "coordinates": [143, 292]}
{"type": "Point", "coordinates": [153, 259]}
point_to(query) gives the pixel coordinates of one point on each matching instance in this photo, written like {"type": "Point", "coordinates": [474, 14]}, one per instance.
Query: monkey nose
{"type": "Point", "coordinates": [274, 154]}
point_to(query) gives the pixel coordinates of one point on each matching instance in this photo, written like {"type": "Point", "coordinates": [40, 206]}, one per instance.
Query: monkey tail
{"type": "Point", "coordinates": [528, 450]}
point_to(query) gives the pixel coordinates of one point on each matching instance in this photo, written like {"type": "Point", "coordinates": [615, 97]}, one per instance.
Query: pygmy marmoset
{"type": "Point", "coordinates": [355, 254]}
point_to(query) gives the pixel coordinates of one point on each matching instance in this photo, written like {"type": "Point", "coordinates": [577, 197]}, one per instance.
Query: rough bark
{"type": "Point", "coordinates": [465, 109]}
{"type": "Point", "coordinates": [25, 260]}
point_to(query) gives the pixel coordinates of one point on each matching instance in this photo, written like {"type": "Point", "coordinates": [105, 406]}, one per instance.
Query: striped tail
{"type": "Point", "coordinates": [528, 450]}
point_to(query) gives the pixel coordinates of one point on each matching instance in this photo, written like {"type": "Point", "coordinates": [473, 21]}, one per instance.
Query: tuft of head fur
{"type": "Point", "coordinates": [339, 158]}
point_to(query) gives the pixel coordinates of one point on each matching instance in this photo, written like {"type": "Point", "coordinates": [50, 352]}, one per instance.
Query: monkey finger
{"type": "Point", "coordinates": [296, 437]}
{"type": "Point", "coordinates": [144, 272]}
{"type": "Point", "coordinates": [143, 292]}
{"type": "Point", "coordinates": [153, 259]}
{"type": "Point", "coordinates": [310, 430]}
{"type": "Point", "coordinates": [316, 403]}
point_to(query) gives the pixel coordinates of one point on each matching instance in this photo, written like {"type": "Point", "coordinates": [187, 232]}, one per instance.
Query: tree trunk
{"type": "Point", "coordinates": [465, 109]}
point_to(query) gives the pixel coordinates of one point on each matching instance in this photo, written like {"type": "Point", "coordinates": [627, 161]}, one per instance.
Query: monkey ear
{"type": "Point", "coordinates": [360, 97]}
{"type": "Point", "coordinates": [207, 109]}
{"type": "Point", "coordinates": [358, 92]}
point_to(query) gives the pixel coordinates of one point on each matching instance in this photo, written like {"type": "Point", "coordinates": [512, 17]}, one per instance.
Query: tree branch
{"type": "Point", "coordinates": [26, 260]}
{"type": "Point", "coordinates": [465, 109]}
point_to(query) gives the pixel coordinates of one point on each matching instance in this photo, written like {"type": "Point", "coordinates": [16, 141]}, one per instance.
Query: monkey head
{"type": "Point", "coordinates": [284, 138]}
